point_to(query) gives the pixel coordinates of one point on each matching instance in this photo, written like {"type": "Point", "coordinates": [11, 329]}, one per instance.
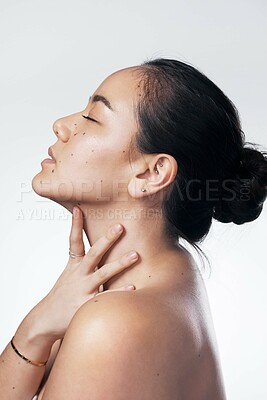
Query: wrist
{"type": "Point", "coordinates": [32, 341]}
{"type": "Point", "coordinates": [29, 361]}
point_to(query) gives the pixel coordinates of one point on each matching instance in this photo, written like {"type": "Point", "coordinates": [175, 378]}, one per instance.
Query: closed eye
{"type": "Point", "coordinates": [87, 117]}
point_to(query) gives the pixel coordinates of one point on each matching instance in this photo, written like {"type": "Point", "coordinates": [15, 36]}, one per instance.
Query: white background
{"type": "Point", "coordinates": [54, 54]}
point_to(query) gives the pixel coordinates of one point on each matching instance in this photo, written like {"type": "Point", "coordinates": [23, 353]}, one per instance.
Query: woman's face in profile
{"type": "Point", "coordinates": [91, 156]}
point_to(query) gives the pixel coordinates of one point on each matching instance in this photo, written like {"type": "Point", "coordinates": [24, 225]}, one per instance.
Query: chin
{"type": "Point", "coordinates": [60, 192]}
{"type": "Point", "coordinates": [41, 185]}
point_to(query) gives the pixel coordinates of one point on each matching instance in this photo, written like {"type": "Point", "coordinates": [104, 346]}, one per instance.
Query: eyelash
{"type": "Point", "coordinates": [87, 117]}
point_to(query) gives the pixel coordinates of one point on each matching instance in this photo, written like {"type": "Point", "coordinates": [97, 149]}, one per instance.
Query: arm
{"type": "Point", "coordinates": [47, 322]}
{"type": "Point", "coordinates": [18, 379]}
{"type": "Point", "coordinates": [54, 350]}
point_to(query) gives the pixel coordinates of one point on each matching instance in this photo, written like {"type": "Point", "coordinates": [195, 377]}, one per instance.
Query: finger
{"type": "Point", "coordinates": [76, 234]}
{"type": "Point", "coordinates": [123, 288]}
{"type": "Point", "coordinates": [101, 246]}
{"type": "Point", "coordinates": [107, 271]}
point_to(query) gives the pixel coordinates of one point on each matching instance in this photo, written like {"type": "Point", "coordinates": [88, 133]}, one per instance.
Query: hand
{"type": "Point", "coordinates": [79, 281]}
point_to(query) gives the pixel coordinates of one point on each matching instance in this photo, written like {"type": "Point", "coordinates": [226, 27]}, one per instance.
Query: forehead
{"type": "Point", "coordinates": [121, 88]}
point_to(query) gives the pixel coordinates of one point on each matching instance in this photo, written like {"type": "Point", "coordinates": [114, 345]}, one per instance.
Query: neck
{"type": "Point", "coordinates": [142, 232]}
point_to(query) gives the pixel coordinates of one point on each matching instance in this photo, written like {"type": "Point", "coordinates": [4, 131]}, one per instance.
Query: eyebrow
{"type": "Point", "coordinates": [98, 97]}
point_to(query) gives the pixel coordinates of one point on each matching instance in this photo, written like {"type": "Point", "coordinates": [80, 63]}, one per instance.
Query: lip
{"type": "Point", "coordinates": [50, 153]}
{"type": "Point", "coordinates": [51, 160]}
{"type": "Point", "coordinates": [48, 161]}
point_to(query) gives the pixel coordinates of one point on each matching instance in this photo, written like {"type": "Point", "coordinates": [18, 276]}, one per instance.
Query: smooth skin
{"type": "Point", "coordinates": [151, 343]}
{"type": "Point", "coordinates": [156, 342]}
{"type": "Point", "coordinates": [39, 335]}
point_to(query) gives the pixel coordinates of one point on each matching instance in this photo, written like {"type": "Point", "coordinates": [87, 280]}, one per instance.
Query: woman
{"type": "Point", "coordinates": [158, 149]}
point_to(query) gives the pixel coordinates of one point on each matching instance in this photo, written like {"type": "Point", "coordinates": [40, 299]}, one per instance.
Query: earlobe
{"type": "Point", "coordinates": [136, 187]}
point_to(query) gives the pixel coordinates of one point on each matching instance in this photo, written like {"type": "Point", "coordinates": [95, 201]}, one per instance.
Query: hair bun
{"type": "Point", "coordinates": [242, 198]}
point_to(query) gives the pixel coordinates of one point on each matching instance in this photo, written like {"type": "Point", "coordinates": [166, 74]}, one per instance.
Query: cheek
{"type": "Point", "coordinates": [89, 166]}
{"type": "Point", "coordinates": [77, 157]}
{"type": "Point", "coordinates": [92, 156]}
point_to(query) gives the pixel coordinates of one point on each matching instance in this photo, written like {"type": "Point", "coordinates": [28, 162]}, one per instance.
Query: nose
{"type": "Point", "coordinates": [62, 129]}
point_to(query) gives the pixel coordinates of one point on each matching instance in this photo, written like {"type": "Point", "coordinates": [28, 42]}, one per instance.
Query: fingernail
{"type": "Point", "coordinates": [132, 255]}
{"type": "Point", "coordinates": [117, 228]}
{"type": "Point", "coordinates": [130, 287]}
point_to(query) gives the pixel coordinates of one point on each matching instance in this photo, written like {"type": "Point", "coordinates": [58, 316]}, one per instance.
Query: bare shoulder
{"type": "Point", "coordinates": [151, 338]}
{"type": "Point", "coordinates": [137, 323]}
{"type": "Point", "coordinates": [120, 341]}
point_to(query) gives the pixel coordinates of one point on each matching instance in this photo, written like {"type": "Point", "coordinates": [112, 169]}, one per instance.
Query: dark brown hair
{"type": "Point", "coordinates": [183, 113]}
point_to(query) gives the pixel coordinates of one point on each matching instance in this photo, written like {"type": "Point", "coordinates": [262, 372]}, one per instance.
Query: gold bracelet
{"type": "Point", "coordinates": [36, 363]}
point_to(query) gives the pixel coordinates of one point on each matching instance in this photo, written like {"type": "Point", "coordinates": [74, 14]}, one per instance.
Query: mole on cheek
{"type": "Point", "coordinates": [53, 171]}
{"type": "Point", "coordinates": [92, 150]}
{"type": "Point", "coordinates": [83, 133]}
{"type": "Point", "coordinates": [75, 134]}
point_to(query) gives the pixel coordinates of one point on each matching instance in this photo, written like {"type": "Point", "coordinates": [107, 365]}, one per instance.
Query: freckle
{"type": "Point", "coordinates": [53, 170]}
{"type": "Point", "coordinates": [182, 273]}
{"type": "Point", "coordinates": [59, 160]}
{"type": "Point", "coordinates": [101, 180]}
{"type": "Point", "coordinates": [79, 204]}
{"type": "Point", "coordinates": [75, 124]}
{"type": "Point", "coordinates": [123, 151]}
{"type": "Point", "coordinates": [97, 199]}
{"type": "Point", "coordinates": [149, 276]}
{"type": "Point", "coordinates": [3, 361]}
{"type": "Point", "coordinates": [71, 154]}
{"type": "Point", "coordinates": [13, 387]}
{"type": "Point", "coordinates": [95, 301]}
{"type": "Point", "coordinates": [199, 355]}
{"type": "Point", "coordinates": [83, 133]}
{"type": "Point", "coordinates": [92, 150]}
{"type": "Point", "coordinates": [75, 134]}
{"type": "Point", "coordinates": [157, 374]}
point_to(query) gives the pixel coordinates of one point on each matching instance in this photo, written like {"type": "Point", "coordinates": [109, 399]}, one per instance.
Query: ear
{"type": "Point", "coordinates": [153, 173]}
